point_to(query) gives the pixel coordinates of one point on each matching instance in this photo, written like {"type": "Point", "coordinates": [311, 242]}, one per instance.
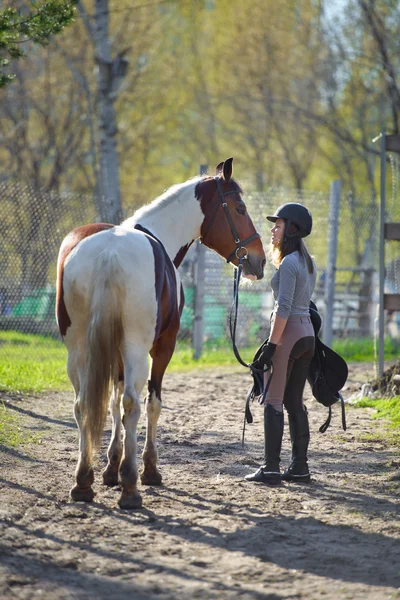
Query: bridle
{"type": "Point", "coordinates": [240, 244]}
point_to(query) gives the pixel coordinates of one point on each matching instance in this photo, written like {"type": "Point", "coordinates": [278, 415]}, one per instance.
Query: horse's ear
{"type": "Point", "coordinates": [218, 168]}
{"type": "Point", "coordinates": [227, 172]}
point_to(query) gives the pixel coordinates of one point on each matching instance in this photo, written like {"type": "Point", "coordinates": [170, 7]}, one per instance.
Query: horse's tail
{"type": "Point", "coordinates": [103, 342]}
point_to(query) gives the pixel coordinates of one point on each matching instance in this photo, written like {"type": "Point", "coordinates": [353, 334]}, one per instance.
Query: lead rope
{"type": "Point", "coordinates": [256, 373]}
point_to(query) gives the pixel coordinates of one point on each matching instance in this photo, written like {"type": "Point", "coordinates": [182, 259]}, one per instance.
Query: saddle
{"type": "Point", "coordinates": [327, 375]}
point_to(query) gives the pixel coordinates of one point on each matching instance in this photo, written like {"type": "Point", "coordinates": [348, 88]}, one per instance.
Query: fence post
{"type": "Point", "coordinates": [382, 218]}
{"type": "Point", "coordinates": [199, 291]}
{"type": "Point", "coordinates": [329, 296]}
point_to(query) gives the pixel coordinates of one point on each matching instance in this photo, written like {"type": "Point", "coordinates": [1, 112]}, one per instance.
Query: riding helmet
{"type": "Point", "coordinates": [297, 214]}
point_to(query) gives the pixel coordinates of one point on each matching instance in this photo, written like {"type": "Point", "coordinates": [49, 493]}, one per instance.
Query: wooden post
{"type": "Point", "coordinates": [329, 296]}
{"type": "Point", "coordinates": [390, 231]}
{"type": "Point", "coordinates": [382, 211]}
{"type": "Point", "coordinates": [199, 291]}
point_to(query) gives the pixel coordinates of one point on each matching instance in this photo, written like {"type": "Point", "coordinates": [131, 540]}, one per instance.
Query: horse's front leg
{"type": "Point", "coordinates": [114, 452]}
{"type": "Point", "coordinates": [161, 354]}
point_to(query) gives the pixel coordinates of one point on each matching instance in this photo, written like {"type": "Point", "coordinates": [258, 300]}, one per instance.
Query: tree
{"type": "Point", "coordinates": [21, 25]}
{"type": "Point", "coordinates": [271, 49]}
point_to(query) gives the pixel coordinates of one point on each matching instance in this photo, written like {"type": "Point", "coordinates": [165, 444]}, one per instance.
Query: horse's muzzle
{"type": "Point", "coordinates": [253, 269]}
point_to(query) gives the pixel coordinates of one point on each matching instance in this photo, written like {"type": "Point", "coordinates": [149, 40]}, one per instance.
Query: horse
{"type": "Point", "coordinates": [119, 299]}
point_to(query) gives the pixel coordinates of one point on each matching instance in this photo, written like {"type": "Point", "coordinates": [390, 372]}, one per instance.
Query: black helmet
{"type": "Point", "coordinates": [297, 214]}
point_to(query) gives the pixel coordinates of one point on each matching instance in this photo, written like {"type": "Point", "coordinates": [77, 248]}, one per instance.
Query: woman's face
{"type": "Point", "coordinates": [277, 232]}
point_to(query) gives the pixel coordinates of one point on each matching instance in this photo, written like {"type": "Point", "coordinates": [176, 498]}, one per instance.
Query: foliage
{"type": "Point", "coordinates": [294, 96]}
{"type": "Point", "coordinates": [207, 80]}
{"type": "Point", "coordinates": [37, 24]}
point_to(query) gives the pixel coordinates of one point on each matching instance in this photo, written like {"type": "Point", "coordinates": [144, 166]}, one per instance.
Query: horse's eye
{"type": "Point", "coordinates": [241, 210]}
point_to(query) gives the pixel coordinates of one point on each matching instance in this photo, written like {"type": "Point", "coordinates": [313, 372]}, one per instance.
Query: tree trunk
{"type": "Point", "coordinates": [110, 188]}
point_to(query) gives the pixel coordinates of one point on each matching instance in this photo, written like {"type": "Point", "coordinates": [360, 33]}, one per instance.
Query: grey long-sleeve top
{"type": "Point", "coordinates": [292, 286]}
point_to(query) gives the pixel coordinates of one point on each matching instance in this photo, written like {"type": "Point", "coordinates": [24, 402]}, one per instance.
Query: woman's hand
{"type": "Point", "coordinates": [267, 354]}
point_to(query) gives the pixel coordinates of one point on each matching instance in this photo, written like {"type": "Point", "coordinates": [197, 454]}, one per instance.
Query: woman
{"type": "Point", "coordinates": [290, 347]}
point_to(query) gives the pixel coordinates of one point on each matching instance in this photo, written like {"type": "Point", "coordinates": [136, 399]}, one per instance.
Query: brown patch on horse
{"type": "Point", "coordinates": [166, 292]}
{"type": "Point", "coordinates": [168, 315]}
{"type": "Point", "coordinates": [69, 243]}
{"type": "Point", "coordinates": [204, 192]}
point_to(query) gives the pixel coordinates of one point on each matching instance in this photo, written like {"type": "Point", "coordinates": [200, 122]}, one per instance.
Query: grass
{"type": "Point", "coordinates": [32, 363]}
{"type": "Point", "coordinates": [388, 409]}
{"type": "Point", "coordinates": [11, 433]}
{"type": "Point", "coordinates": [362, 349]}
{"type": "Point", "coordinates": [215, 354]}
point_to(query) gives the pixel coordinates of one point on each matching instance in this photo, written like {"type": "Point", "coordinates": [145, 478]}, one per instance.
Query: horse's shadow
{"type": "Point", "coordinates": [302, 543]}
{"type": "Point", "coordinates": [43, 418]}
{"type": "Point", "coordinates": [112, 586]}
{"type": "Point", "coordinates": [305, 544]}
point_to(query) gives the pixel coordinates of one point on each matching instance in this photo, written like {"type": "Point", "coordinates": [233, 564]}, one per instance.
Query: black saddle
{"type": "Point", "coordinates": [327, 373]}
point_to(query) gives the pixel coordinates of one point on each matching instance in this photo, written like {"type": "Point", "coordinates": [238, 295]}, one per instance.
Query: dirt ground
{"type": "Point", "coordinates": [206, 533]}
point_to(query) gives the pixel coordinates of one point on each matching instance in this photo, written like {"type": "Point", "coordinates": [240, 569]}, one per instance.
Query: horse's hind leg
{"type": "Point", "coordinates": [161, 354]}
{"type": "Point", "coordinates": [114, 453]}
{"type": "Point", "coordinates": [136, 370]}
{"type": "Point", "coordinates": [82, 491]}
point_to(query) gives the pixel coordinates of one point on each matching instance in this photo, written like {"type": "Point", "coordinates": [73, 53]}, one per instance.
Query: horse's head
{"type": "Point", "coordinates": [227, 227]}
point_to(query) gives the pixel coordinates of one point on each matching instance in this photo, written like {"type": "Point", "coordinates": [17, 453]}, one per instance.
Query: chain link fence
{"type": "Point", "coordinates": [34, 222]}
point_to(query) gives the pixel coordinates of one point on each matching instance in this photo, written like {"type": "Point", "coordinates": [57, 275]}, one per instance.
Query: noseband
{"type": "Point", "coordinates": [240, 245]}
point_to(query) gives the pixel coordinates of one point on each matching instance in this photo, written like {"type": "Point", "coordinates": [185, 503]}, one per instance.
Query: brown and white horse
{"type": "Point", "coordinates": [119, 298]}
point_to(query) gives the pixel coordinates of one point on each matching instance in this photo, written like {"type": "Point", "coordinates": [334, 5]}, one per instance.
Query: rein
{"type": "Point", "coordinates": [257, 374]}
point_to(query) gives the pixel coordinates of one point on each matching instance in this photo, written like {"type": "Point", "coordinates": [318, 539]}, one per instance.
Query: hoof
{"type": "Point", "coordinates": [110, 477]}
{"type": "Point", "coordinates": [130, 501]}
{"type": "Point", "coordinates": [152, 477]}
{"type": "Point", "coordinates": [78, 494]}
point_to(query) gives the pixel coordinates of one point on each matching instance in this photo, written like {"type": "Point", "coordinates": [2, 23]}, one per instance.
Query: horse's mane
{"type": "Point", "coordinates": [164, 200]}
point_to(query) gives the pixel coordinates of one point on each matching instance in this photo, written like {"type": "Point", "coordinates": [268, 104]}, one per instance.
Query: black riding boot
{"type": "Point", "coordinates": [300, 436]}
{"type": "Point", "coordinates": [273, 432]}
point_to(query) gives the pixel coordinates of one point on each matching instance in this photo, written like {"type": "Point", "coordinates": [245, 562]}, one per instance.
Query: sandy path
{"type": "Point", "coordinates": [205, 533]}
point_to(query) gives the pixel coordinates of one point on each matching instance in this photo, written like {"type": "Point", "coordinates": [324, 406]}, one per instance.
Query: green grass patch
{"type": "Point", "coordinates": [11, 432]}
{"type": "Point", "coordinates": [362, 349]}
{"type": "Point", "coordinates": [215, 354]}
{"type": "Point", "coordinates": [32, 363]}
{"type": "Point", "coordinates": [388, 409]}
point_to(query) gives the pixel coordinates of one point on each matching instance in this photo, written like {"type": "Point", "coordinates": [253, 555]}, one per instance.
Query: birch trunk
{"type": "Point", "coordinates": [109, 165]}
